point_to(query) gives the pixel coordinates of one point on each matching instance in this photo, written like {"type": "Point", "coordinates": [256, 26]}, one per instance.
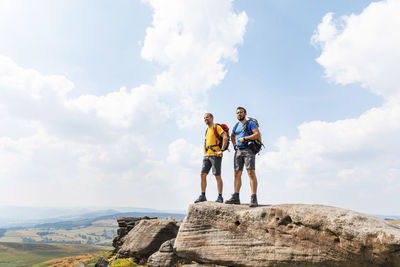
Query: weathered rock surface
{"type": "Point", "coordinates": [125, 225]}
{"type": "Point", "coordinates": [147, 236]}
{"type": "Point", "coordinates": [165, 256]}
{"type": "Point", "coordinates": [286, 235]}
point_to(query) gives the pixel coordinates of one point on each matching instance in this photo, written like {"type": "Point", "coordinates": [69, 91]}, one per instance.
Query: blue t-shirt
{"type": "Point", "coordinates": [239, 134]}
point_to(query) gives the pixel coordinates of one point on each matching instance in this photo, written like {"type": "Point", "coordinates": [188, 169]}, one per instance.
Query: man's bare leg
{"type": "Point", "coordinates": [203, 183]}
{"type": "Point", "coordinates": [253, 181]}
{"type": "Point", "coordinates": [219, 184]}
{"type": "Point", "coordinates": [238, 181]}
{"type": "Point", "coordinates": [253, 186]}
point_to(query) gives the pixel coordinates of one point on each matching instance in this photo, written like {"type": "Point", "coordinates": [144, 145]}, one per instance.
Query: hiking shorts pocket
{"type": "Point", "coordinates": [244, 157]}
{"type": "Point", "coordinates": [212, 162]}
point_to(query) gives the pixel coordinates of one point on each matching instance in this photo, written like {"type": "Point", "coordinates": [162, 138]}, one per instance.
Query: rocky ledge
{"type": "Point", "coordinates": [286, 235]}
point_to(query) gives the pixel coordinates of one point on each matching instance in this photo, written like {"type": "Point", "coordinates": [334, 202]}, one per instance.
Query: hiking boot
{"type": "Point", "coordinates": [220, 199]}
{"type": "Point", "coordinates": [233, 200]}
{"type": "Point", "coordinates": [201, 198]}
{"type": "Point", "coordinates": [253, 201]}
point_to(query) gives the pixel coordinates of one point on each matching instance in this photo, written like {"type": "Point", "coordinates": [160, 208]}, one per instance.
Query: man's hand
{"type": "Point", "coordinates": [241, 140]}
{"type": "Point", "coordinates": [219, 153]}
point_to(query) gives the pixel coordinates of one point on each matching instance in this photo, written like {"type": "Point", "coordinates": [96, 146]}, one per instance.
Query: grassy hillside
{"type": "Point", "coordinates": [98, 233]}
{"type": "Point", "coordinates": [27, 254]}
{"type": "Point", "coordinates": [88, 259]}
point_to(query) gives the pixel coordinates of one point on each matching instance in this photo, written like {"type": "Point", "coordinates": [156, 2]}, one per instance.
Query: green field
{"type": "Point", "coordinates": [28, 254]}
{"type": "Point", "coordinates": [99, 232]}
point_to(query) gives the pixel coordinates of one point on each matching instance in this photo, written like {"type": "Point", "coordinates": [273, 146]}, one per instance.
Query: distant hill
{"type": "Point", "coordinates": [16, 217]}
{"type": "Point", "coordinates": [68, 225]}
{"type": "Point", "coordinates": [387, 217]}
{"type": "Point", "coordinates": [2, 232]}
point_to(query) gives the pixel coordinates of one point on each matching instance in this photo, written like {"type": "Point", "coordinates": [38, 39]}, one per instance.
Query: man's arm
{"type": "Point", "coordinates": [256, 134]}
{"type": "Point", "coordinates": [224, 141]}
{"type": "Point", "coordinates": [233, 140]}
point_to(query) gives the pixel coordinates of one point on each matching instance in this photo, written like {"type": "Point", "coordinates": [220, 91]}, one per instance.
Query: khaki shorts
{"type": "Point", "coordinates": [244, 157]}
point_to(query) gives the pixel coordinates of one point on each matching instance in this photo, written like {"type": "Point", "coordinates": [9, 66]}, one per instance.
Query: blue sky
{"type": "Point", "coordinates": [70, 136]}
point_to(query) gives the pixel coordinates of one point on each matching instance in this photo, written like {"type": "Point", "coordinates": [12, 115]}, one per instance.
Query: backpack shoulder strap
{"type": "Point", "coordinates": [246, 128]}
{"type": "Point", "coordinates": [216, 132]}
{"type": "Point", "coordinates": [234, 128]}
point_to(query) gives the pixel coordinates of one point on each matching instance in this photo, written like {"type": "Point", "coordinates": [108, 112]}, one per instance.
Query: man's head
{"type": "Point", "coordinates": [241, 114]}
{"type": "Point", "coordinates": [208, 118]}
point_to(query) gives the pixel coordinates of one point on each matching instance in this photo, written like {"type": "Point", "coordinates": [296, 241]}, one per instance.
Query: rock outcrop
{"type": "Point", "coordinates": [286, 235]}
{"type": "Point", "coordinates": [146, 237]}
{"type": "Point", "coordinates": [125, 225]}
{"type": "Point", "coordinates": [165, 256]}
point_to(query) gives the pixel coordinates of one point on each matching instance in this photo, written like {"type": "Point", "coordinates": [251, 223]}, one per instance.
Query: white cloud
{"type": "Point", "coordinates": [123, 108]}
{"type": "Point", "coordinates": [326, 31]}
{"type": "Point", "coordinates": [17, 82]}
{"type": "Point", "coordinates": [182, 152]}
{"type": "Point", "coordinates": [351, 161]}
{"type": "Point", "coordinates": [191, 38]}
{"type": "Point", "coordinates": [183, 28]}
{"type": "Point", "coordinates": [363, 48]}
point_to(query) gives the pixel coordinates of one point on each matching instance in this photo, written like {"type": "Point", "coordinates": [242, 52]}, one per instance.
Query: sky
{"type": "Point", "coordinates": [102, 102]}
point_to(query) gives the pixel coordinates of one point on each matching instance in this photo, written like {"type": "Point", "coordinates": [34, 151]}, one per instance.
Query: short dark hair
{"type": "Point", "coordinates": [242, 108]}
{"type": "Point", "coordinates": [209, 114]}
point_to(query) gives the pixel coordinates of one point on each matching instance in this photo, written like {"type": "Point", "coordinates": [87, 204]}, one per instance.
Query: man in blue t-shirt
{"type": "Point", "coordinates": [243, 132]}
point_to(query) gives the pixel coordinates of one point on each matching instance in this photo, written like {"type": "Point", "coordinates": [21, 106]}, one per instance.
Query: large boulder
{"type": "Point", "coordinates": [146, 237]}
{"type": "Point", "coordinates": [125, 225]}
{"type": "Point", "coordinates": [286, 235]}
